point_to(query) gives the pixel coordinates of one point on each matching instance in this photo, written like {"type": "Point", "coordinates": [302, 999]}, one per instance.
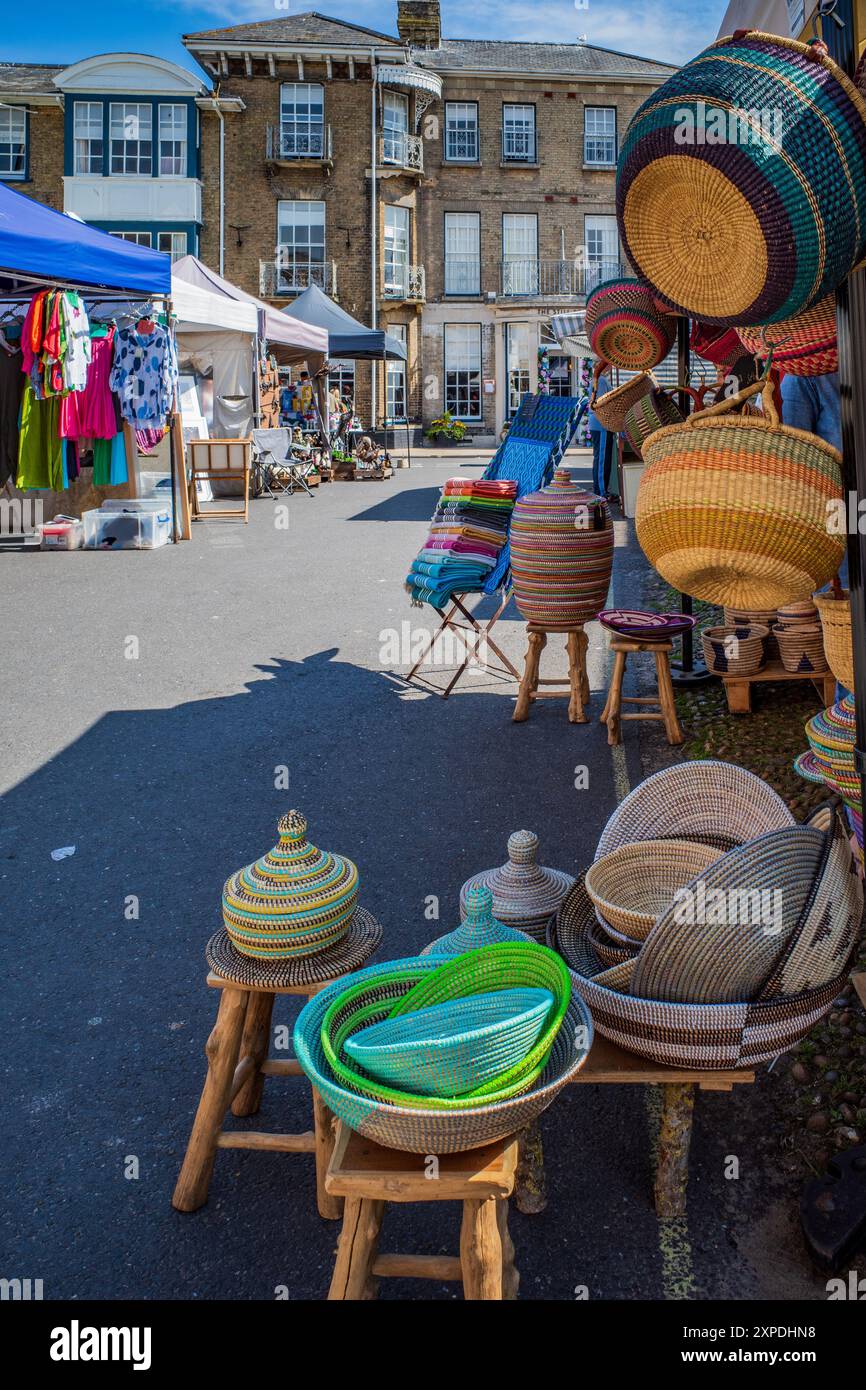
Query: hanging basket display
{"type": "Point", "coordinates": [741, 183]}
{"type": "Point", "coordinates": [803, 346]}
{"type": "Point", "coordinates": [612, 408]}
{"type": "Point", "coordinates": [733, 509]}
{"type": "Point", "coordinates": [625, 327]}
{"type": "Point", "coordinates": [652, 412]}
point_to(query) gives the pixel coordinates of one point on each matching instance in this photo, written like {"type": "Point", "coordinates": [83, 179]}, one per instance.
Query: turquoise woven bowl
{"type": "Point", "coordinates": [452, 1048]}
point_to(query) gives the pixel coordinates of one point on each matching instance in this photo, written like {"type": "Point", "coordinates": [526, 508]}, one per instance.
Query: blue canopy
{"type": "Point", "coordinates": [38, 243]}
{"type": "Point", "coordinates": [346, 336]}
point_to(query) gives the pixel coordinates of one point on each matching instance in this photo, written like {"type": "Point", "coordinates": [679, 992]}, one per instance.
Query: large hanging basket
{"type": "Point", "coordinates": [626, 328]}
{"type": "Point", "coordinates": [733, 509]}
{"type": "Point", "coordinates": [741, 184]}
{"type": "Point", "coordinates": [838, 643]}
{"type": "Point", "coordinates": [803, 346]}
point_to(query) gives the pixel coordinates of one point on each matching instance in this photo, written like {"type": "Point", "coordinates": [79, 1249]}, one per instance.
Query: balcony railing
{"type": "Point", "coordinates": [290, 141]}
{"type": "Point", "coordinates": [535, 279]}
{"type": "Point", "coordinates": [407, 282]}
{"type": "Point", "coordinates": [599, 151]}
{"type": "Point", "coordinates": [280, 278]}
{"type": "Point", "coordinates": [402, 151]}
{"type": "Point", "coordinates": [462, 275]}
{"type": "Point", "coordinates": [519, 147]}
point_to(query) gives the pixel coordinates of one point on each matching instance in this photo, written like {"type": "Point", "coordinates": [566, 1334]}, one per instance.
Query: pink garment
{"type": "Point", "coordinates": [89, 414]}
{"type": "Point", "coordinates": [460, 546]}
{"type": "Point", "coordinates": [147, 440]}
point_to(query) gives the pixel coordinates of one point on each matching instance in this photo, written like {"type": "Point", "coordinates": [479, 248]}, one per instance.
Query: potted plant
{"type": "Point", "coordinates": [446, 427]}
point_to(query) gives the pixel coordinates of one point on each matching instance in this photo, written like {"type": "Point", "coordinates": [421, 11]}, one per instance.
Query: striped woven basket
{"type": "Point", "coordinates": [612, 408]}
{"type": "Point", "coordinates": [626, 328]}
{"type": "Point", "coordinates": [561, 554]}
{"type": "Point", "coordinates": [802, 614]}
{"type": "Point", "coordinates": [738, 650]}
{"type": "Point", "coordinates": [714, 802]}
{"type": "Point", "coordinates": [741, 185]}
{"type": "Point", "coordinates": [733, 509]}
{"type": "Point", "coordinates": [652, 412]}
{"type": "Point", "coordinates": [803, 346]}
{"type": "Point", "coordinates": [416, 1129]}
{"type": "Point", "coordinates": [760, 617]}
{"type": "Point", "coordinates": [702, 1037]}
{"type": "Point", "coordinates": [802, 647]}
{"type": "Point", "coordinates": [838, 643]}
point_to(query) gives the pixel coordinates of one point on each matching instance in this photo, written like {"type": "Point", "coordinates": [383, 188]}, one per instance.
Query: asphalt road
{"type": "Point", "coordinates": [151, 700]}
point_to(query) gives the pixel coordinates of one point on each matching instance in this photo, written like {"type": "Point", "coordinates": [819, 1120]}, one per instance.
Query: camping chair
{"type": "Point", "coordinates": [274, 449]}
{"type": "Point", "coordinates": [540, 433]}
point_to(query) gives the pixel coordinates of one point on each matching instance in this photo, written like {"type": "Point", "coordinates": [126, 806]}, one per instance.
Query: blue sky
{"type": "Point", "coordinates": [55, 31]}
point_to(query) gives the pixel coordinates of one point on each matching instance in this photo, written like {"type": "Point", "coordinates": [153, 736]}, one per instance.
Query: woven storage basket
{"type": "Point", "coordinates": [480, 928]}
{"type": "Point", "coordinates": [626, 328]}
{"type": "Point", "coordinates": [421, 1130]}
{"type": "Point", "coordinates": [733, 509]}
{"type": "Point", "coordinates": [702, 1037]}
{"type": "Point", "coordinates": [803, 346]}
{"type": "Point", "coordinates": [526, 894]}
{"type": "Point", "coordinates": [795, 614]}
{"type": "Point", "coordinates": [632, 886]}
{"type": "Point", "coordinates": [737, 650]}
{"type": "Point", "coordinates": [801, 647]}
{"type": "Point", "coordinates": [761, 224]}
{"type": "Point", "coordinates": [652, 412]}
{"type": "Point", "coordinates": [610, 950]}
{"type": "Point", "coordinates": [452, 1049]}
{"type": "Point", "coordinates": [714, 802]}
{"type": "Point", "coordinates": [759, 617]}
{"type": "Point", "coordinates": [838, 643]}
{"type": "Point", "coordinates": [612, 408]}
{"type": "Point", "coordinates": [561, 554]}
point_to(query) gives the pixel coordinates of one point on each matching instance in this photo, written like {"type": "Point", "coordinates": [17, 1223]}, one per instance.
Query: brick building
{"type": "Point", "coordinates": [458, 192]}
{"type": "Point", "coordinates": [31, 131]}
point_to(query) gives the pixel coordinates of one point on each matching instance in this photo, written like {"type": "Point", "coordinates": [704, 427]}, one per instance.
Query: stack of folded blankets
{"type": "Point", "coordinates": [467, 533]}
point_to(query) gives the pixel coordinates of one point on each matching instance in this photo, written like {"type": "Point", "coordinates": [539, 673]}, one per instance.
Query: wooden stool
{"type": "Point", "coordinates": [612, 714]}
{"type": "Point", "coordinates": [368, 1176]}
{"type": "Point", "coordinates": [575, 685]}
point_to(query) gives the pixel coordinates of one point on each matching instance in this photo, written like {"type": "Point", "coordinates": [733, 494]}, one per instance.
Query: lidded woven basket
{"type": "Point", "coordinates": [525, 895]}
{"type": "Point", "coordinates": [561, 554]}
{"type": "Point", "coordinates": [480, 927]}
{"type": "Point", "coordinates": [294, 901]}
{"type": "Point", "coordinates": [741, 183]}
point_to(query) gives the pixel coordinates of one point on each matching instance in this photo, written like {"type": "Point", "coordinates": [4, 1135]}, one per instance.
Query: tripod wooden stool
{"type": "Point", "coordinates": [238, 1061]}
{"type": "Point", "coordinates": [612, 715]}
{"type": "Point", "coordinates": [575, 685]}
{"type": "Point", "coordinates": [368, 1176]}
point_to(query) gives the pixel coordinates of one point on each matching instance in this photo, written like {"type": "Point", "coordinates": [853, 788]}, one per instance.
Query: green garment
{"type": "Point", "coordinates": [40, 448]}
{"type": "Point", "coordinates": [102, 462]}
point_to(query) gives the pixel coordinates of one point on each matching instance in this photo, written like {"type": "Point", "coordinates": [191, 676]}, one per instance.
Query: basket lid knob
{"type": "Point", "coordinates": [523, 847]}
{"type": "Point", "coordinates": [292, 828]}
{"type": "Point", "coordinates": [479, 907]}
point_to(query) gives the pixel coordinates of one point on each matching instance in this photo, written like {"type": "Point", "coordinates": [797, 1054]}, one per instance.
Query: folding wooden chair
{"type": "Point", "coordinates": [540, 433]}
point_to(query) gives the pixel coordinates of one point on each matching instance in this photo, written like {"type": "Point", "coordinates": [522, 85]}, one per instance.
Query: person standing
{"type": "Point", "coordinates": [602, 445]}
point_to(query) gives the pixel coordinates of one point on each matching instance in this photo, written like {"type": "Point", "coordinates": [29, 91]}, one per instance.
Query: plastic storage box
{"type": "Point", "coordinates": [126, 530]}
{"type": "Point", "coordinates": [63, 533]}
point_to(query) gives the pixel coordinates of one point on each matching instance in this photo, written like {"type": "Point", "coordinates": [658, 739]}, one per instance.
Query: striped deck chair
{"type": "Point", "coordinates": [540, 433]}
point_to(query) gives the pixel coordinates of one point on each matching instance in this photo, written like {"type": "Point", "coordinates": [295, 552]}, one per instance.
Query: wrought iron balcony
{"type": "Point", "coordinates": [400, 150]}
{"type": "Point", "coordinates": [408, 283]}
{"type": "Point", "coordinates": [539, 279]}
{"type": "Point", "coordinates": [292, 143]}
{"type": "Point", "coordinates": [280, 279]}
{"type": "Point", "coordinates": [519, 147]}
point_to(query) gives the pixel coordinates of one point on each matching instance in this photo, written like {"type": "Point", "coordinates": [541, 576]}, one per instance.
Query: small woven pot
{"type": "Point", "coordinates": [757, 617]}
{"type": "Point", "coordinates": [803, 614]}
{"type": "Point", "coordinates": [634, 884]}
{"type": "Point", "coordinates": [735, 651]}
{"type": "Point", "coordinates": [650, 413]}
{"type": "Point", "coordinates": [612, 408]}
{"type": "Point", "coordinates": [733, 509]}
{"type": "Point", "coordinates": [802, 346]}
{"type": "Point", "coordinates": [838, 643]}
{"type": "Point", "coordinates": [625, 327]}
{"type": "Point", "coordinates": [801, 647]}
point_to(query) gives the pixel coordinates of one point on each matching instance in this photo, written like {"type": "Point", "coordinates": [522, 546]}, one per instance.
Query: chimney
{"type": "Point", "coordinates": [418, 23]}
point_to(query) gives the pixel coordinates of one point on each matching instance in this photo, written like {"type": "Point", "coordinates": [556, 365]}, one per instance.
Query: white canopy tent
{"type": "Point", "coordinates": [216, 336]}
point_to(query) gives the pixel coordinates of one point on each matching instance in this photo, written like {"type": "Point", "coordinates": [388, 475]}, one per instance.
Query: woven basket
{"type": "Point", "coordinates": [799, 614]}
{"type": "Point", "coordinates": [455, 1048]}
{"type": "Point", "coordinates": [415, 1129]}
{"type": "Point", "coordinates": [702, 1037]}
{"type": "Point", "coordinates": [838, 643]}
{"type": "Point", "coordinates": [612, 408]}
{"type": "Point", "coordinates": [750, 224]}
{"type": "Point", "coordinates": [609, 950]}
{"type": "Point", "coordinates": [714, 802]}
{"type": "Point", "coordinates": [652, 412]}
{"type": "Point", "coordinates": [625, 327]}
{"type": "Point", "coordinates": [760, 617]}
{"type": "Point", "coordinates": [632, 886]}
{"type": "Point", "coordinates": [738, 650]}
{"type": "Point", "coordinates": [733, 509]}
{"type": "Point", "coordinates": [803, 346]}
{"type": "Point", "coordinates": [801, 647]}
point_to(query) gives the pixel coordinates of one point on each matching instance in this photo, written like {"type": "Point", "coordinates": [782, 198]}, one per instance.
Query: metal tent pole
{"type": "Point", "coordinates": [841, 39]}
{"type": "Point", "coordinates": [686, 672]}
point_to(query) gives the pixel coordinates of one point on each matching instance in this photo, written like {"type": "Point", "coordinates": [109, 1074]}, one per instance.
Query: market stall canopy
{"type": "Point", "coordinates": [199, 311]}
{"type": "Point", "coordinates": [290, 340]}
{"type": "Point", "coordinates": [38, 244]}
{"type": "Point", "coordinates": [346, 336]}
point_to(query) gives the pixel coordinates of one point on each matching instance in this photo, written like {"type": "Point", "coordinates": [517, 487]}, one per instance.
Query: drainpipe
{"type": "Point", "coordinates": [374, 241]}
{"type": "Point", "coordinates": [219, 112]}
